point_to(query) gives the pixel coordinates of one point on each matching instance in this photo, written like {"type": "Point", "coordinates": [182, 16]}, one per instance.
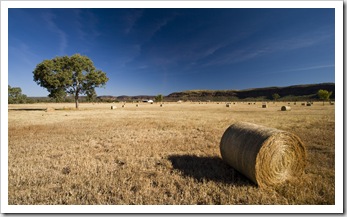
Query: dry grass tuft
{"type": "Point", "coordinates": [50, 109]}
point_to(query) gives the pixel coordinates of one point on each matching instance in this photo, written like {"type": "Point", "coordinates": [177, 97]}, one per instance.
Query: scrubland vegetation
{"type": "Point", "coordinates": [157, 155]}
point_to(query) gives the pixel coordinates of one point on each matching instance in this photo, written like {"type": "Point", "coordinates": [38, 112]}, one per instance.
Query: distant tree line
{"type": "Point", "coordinates": [15, 96]}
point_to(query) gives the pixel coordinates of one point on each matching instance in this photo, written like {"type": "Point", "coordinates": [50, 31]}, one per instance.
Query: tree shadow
{"type": "Point", "coordinates": [208, 168]}
{"type": "Point", "coordinates": [27, 109]}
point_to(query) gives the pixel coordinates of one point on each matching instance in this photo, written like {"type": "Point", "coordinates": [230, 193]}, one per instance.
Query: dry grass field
{"type": "Point", "coordinates": [157, 155]}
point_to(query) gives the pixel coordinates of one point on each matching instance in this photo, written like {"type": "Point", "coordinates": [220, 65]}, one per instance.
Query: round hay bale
{"type": "Point", "coordinates": [113, 107]}
{"type": "Point", "coordinates": [303, 103]}
{"type": "Point", "coordinates": [331, 103]}
{"type": "Point", "coordinates": [161, 105]}
{"type": "Point", "coordinates": [50, 109]}
{"type": "Point", "coordinates": [137, 105]}
{"type": "Point", "coordinates": [123, 105]}
{"type": "Point", "coordinates": [264, 106]}
{"type": "Point", "coordinates": [227, 105]}
{"type": "Point", "coordinates": [286, 108]}
{"type": "Point", "coordinates": [308, 104]}
{"type": "Point", "coordinates": [267, 156]}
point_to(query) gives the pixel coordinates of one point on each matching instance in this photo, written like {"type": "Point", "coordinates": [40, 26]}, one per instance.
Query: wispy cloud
{"type": "Point", "coordinates": [265, 47]}
{"type": "Point", "coordinates": [86, 24]}
{"type": "Point", "coordinates": [308, 68]}
{"type": "Point", "coordinates": [49, 18]}
{"type": "Point", "coordinates": [22, 53]}
{"type": "Point", "coordinates": [131, 18]}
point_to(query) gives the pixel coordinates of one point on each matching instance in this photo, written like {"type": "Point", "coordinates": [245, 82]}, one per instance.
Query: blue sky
{"type": "Point", "coordinates": [160, 51]}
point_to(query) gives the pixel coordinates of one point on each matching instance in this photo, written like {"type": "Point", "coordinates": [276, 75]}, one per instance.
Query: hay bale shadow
{"type": "Point", "coordinates": [208, 168]}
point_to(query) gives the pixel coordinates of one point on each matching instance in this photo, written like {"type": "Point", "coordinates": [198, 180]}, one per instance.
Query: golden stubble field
{"type": "Point", "coordinates": [157, 155]}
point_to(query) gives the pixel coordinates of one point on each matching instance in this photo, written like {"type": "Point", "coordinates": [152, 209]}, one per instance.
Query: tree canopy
{"type": "Point", "coordinates": [324, 95]}
{"type": "Point", "coordinates": [69, 75]}
{"type": "Point", "coordinates": [15, 95]}
{"type": "Point", "coordinates": [275, 96]}
{"type": "Point", "coordinates": [159, 98]}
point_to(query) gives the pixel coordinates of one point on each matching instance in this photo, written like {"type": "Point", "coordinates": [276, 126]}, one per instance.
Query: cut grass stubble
{"type": "Point", "coordinates": [154, 155]}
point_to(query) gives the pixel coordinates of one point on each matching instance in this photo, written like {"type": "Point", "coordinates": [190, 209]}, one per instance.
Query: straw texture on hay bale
{"type": "Point", "coordinates": [286, 108]}
{"type": "Point", "coordinates": [49, 109]}
{"type": "Point", "coordinates": [267, 156]}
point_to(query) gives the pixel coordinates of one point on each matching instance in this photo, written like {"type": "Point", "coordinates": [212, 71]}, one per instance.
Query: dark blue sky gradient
{"type": "Point", "coordinates": [160, 51]}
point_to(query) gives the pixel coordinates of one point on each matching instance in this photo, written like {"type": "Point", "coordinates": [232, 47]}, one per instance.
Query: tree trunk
{"type": "Point", "coordinates": [76, 100]}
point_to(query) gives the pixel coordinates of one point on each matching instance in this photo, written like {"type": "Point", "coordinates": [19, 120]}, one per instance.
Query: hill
{"type": "Point", "coordinates": [295, 92]}
{"type": "Point", "coordinates": [289, 93]}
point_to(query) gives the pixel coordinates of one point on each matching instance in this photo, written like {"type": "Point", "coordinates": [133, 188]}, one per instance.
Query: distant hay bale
{"type": "Point", "coordinates": [227, 105]}
{"type": "Point", "coordinates": [161, 105]}
{"type": "Point", "coordinates": [123, 105]}
{"type": "Point", "coordinates": [286, 108]}
{"type": "Point", "coordinates": [264, 106]}
{"type": "Point", "coordinates": [50, 109]}
{"type": "Point", "coordinates": [267, 156]}
{"type": "Point", "coordinates": [331, 103]}
{"type": "Point", "coordinates": [113, 107]}
{"type": "Point", "coordinates": [308, 104]}
{"type": "Point", "coordinates": [137, 105]}
{"type": "Point", "coordinates": [303, 103]}
{"type": "Point", "coordinates": [295, 103]}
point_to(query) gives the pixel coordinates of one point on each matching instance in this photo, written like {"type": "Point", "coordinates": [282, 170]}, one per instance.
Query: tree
{"type": "Point", "coordinates": [15, 95]}
{"type": "Point", "coordinates": [275, 96]}
{"type": "Point", "coordinates": [72, 75]}
{"type": "Point", "coordinates": [91, 95]}
{"type": "Point", "coordinates": [58, 94]}
{"type": "Point", "coordinates": [324, 95]}
{"type": "Point", "coordinates": [159, 98]}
